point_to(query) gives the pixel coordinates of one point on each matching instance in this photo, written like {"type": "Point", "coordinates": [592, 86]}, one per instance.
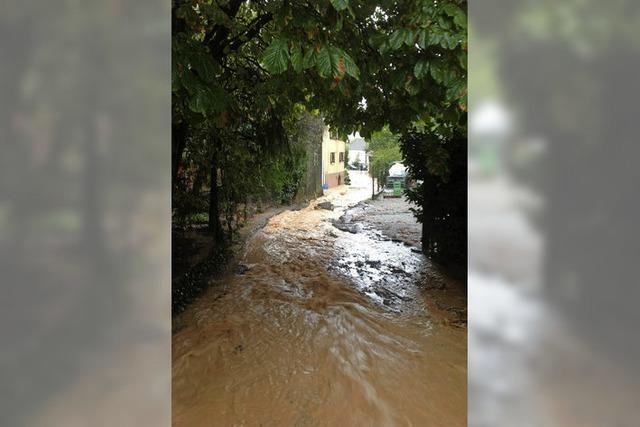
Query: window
{"type": "Point", "coordinates": [332, 158]}
{"type": "Point", "coordinates": [341, 157]}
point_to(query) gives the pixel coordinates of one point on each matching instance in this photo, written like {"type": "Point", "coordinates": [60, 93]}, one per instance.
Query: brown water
{"type": "Point", "coordinates": [326, 328]}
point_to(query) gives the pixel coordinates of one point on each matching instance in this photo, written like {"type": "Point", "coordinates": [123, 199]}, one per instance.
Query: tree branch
{"type": "Point", "coordinates": [252, 30]}
{"type": "Point", "coordinates": [220, 33]}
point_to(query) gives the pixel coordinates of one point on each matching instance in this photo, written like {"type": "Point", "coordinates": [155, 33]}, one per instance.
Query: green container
{"type": "Point", "coordinates": [397, 189]}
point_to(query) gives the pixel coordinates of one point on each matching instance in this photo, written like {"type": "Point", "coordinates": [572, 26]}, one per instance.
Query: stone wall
{"type": "Point", "coordinates": [310, 130]}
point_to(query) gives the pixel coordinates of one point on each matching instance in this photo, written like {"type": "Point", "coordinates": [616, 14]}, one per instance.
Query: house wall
{"type": "Point", "coordinates": [333, 174]}
{"type": "Point", "coordinates": [334, 179]}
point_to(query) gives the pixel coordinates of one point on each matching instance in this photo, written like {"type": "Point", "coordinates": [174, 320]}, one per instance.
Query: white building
{"type": "Point", "coordinates": [398, 170]}
{"type": "Point", "coordinates": [358, 153]}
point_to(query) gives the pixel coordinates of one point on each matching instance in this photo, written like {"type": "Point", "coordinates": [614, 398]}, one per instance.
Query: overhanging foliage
{"type": "Point", "coordinates": [241, 69]}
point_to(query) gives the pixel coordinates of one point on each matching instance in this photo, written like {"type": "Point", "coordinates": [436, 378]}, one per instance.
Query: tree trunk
{"type": "Point", "coordinates": [178, 144]}
{"type": "Point", "coordinates": [215, 227]}
{"type": "Point", "coordinates": [426, 217]}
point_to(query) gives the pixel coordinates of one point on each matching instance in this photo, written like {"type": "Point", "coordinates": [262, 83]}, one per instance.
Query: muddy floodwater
{"type": "Point", "coordinates": [326, 321]}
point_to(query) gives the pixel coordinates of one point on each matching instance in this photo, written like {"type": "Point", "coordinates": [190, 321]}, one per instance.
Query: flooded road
{"type": "Point", "coordinates": [326, 322]}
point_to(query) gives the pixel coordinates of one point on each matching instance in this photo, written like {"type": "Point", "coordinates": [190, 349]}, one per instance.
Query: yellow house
{"type": "Point", "coordinates": [333, 161]}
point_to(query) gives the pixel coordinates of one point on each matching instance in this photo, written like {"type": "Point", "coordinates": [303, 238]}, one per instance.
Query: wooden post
{"type": "Point", "coordinates": [373, 179]}
{"type": "Point", "coordinates": [373, 187]}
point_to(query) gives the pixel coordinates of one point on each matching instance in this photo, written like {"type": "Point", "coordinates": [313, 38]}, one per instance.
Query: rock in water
{"type": "Point", "coordinates": [325, 205]}
{"type": "Point", "coordinates": [241, 269]}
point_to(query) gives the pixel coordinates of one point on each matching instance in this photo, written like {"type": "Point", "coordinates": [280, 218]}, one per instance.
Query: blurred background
{"type": "Point", "coordinates": [552, 213]}
{"type": "Point", "coordinates": [85, 212]}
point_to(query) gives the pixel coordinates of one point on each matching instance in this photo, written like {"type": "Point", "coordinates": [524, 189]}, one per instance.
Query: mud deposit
{"type": "Point", "coordinates": [324, 322]}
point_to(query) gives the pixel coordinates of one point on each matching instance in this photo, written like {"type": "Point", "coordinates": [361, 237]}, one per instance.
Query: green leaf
{"type": "Point", "coordinates": [448, 41]}
{"type": "Point", "coordinates": [297, 59]}
{"type": "Point", "coordinates": [204, 66]}
{"type": "Point", "coordinates": [275, 58]}
{"type": "Point", "coordinates": [398, 38]}
{"type": "Point", "coordinates": [350, 9]}
{"type": "Point", "coordinates": [309, 60]}
{"type": "Point", "coordinates": [350, 67]}
{"type": "Point", "coordinates": [458, 15]}
{"type": "Point", "coordinates": [409, 37]}
{"type": "Point", "coordinates": [443, 23]}
{"type": "Point", "coordinates": [462, 58]}
{"type": "Point", "coordinates": [421, 68]}
{"type": "Point", "coordinates": [189, 81]}
{"type": "Point", "coordinates": [437, 72]}
{"type": "Point", "coordinates": [340, 4]}
{"type": "Point", "coordinates": [455, 91]}
{"type": "Point", "coordinates": [323, 62]}
{"type": "Point", "coordinates": [449, 9]}
{"type": "Point", "coordinates": [333, 61]}
{"type": "Point", "coordinates": [422, 38]}
{"type": "Point", "coordinates": [208, 99]}
{"type": "Point", "coordinates": [198, 103]}
{"type": "Point", "coordinates": [384, 47]}
{"type": "Point", "coordinates": [460, 20]}
{"type": "Point", "coordinates": [434, 39]}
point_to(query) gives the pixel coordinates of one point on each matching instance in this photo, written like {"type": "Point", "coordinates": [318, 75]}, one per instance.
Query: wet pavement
{"type": "Point", "coordinates": [327, 320]}
{"type": "Point", "coordinates": [392, 217]}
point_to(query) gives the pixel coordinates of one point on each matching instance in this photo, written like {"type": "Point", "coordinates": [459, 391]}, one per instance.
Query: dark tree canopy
{"type": "Point", "coordinates": [244, 70]}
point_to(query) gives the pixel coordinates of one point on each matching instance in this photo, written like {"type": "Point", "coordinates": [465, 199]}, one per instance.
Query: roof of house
{"type": "Point", "coordinates": [357, 144]}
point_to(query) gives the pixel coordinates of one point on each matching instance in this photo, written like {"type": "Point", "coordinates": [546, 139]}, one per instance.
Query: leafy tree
{"type": "Point", "coordinates": [440, 166]}
{"type": "Point", "coordinates": [385, 150]}
{"type": "Point", "coordinates": [241, 69]}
